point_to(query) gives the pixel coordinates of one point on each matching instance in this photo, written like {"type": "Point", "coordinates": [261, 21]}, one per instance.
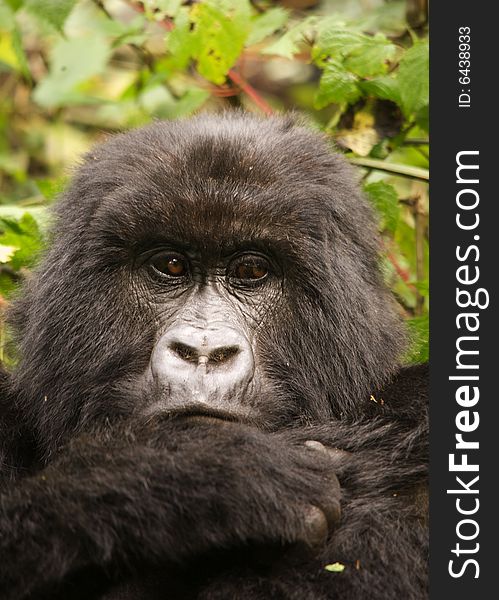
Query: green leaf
{"type": "Point", "coordinates": [336, 85]}
{"type": "Point", "coordinates": [54, 12]}
{"type": "Point", "coordinates": [418, 331]}
{"type": "Point", "coordinates": [24, 235]}
{"type": "Point", "coordinates": [288, 44]}
{"type": "Point", "coordinates": [15, 164]}
{"type": "Point", "coordinates": [423, 118]}
{"type": "Point", "coordinates": [220, 31]}
{"type": "Point", "coordinates": [7, 18]}
{"type": "Point", "coordinates": [87, 20]}
{"type": "Point", "coordinates": [11, 49]}
{"type": "Point", "coordinates": [385, 88]}
{"type": "Point", "coordinates": [17, 46]}
{"type": "Point", "coordinates": [413, 78]}
{"type": "Point", "coordinates": [7, 287]}
{"type": "Point", "coordinates": [422, 287]}
{"type": "Point", "coordinates": [266, 23]}
{"type": "Point", "coordinates": [384, 198]}
{"type": "Point", "coordinates": [154, 97]}
{"type": "Point", "coordinates": [7, 252]}
{"type": "Point", "coordinates": [15, 5]}
{"type": "Point", "coordinates": [361, 54]}
{"type": "Point", "coordinates": [13, 212]}
{"type": "Point", "coordinates": [371, 58]}
{"type": "Point", "coordinates": [193, 99]}
{"type": "Point", "coordinates": [8, 56]}
{"type": "Point", "coordinates": [50, 188]}
{"type": "Point", "coordinates": [388, 17]}
{"type": "Point", "coordinates": [336, 567]}
{"type": "Point", "coordinates": [67, 69]}
{"type": "Point", "coordinates": [178, 43]}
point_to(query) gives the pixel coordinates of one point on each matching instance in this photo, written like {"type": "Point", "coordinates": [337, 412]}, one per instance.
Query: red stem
{"type": "Point", "coordinates": [402, 273]}
{"type": "Point", "coordinates": [250, 91]}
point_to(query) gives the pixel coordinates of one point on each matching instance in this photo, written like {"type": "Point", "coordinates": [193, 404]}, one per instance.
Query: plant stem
{"type": "Point", "coordinates": [396, 169]}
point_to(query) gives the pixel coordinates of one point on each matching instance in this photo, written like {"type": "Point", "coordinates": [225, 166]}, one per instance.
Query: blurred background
{"type": "Point", "coordinates": [74, 71]}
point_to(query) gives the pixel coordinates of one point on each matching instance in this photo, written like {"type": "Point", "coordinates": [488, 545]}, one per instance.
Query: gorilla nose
{"type": "Point", "coordinates": [203, 364]}
{"type": "Point", "coordinates": [203, 355]}
{"type": "Point", "coordinates": [212, 347]}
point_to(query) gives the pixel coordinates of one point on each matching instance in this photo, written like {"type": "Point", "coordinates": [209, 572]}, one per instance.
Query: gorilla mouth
{"type": "Point", "coordinates": [196, 412]}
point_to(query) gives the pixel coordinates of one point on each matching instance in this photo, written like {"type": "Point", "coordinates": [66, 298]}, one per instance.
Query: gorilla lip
{"type": "Point", "coordinates": [195, 411]}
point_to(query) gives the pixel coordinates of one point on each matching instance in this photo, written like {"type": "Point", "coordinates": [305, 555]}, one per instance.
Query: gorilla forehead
{"type": "Point", "coordinates": [218, 178]}
{"type": "Point", "coordinates": [222, 214]}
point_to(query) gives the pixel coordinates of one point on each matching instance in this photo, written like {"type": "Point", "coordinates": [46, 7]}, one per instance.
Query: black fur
{"type": "Point", "coordinates": [101, 500]}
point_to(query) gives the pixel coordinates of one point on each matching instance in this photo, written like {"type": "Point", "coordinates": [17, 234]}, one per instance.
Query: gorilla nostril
{"type": "Point", "coordinates": [192, 354]}
{"type": "Point", "coordinates": [185, 352]}
{"type": "Point", "coordinates": [223, 354]}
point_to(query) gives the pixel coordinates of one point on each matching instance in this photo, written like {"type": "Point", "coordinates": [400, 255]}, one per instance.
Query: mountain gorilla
{"type": "Point", "coordinates": [208, 401]}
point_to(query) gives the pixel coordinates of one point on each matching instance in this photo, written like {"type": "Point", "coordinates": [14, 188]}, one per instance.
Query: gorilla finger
{"type": "Point", "coordinates": [330, 501]}
{"type": "Point", "coordinates": [330, 504]}
{"type": "Point", "coordinates": [315, 529]}
{"type": "Point", "coordinates": [335, 454]}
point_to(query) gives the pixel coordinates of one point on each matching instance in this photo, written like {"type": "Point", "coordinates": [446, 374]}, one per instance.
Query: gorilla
{"type": "Point", "coordinates": [210, 400]}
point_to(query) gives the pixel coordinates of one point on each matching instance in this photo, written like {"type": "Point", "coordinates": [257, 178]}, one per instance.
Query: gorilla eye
{"type": "Point", "coordinates": [170, 264]}
{"type": "Point", "coordinates": [250, 269]}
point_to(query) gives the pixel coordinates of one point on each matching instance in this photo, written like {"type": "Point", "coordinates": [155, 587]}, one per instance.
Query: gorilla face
{"type": "Point", "coordinates": [222, 265]}
{"type": "Point", "coordinates": [209, 304]}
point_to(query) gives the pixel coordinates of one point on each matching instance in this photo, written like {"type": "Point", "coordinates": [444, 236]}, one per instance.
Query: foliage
{"type": "Point", "coordinates": [73, 70]}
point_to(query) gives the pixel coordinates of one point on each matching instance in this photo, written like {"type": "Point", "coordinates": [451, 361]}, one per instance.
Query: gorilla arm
{"type": "Point", "coordinates": [383, 527]}
{"type": "Point", "coordinates": [161, 494]}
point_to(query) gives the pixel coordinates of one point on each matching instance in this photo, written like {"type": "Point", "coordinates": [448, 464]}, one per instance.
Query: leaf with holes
{"type": "Point", "coordinates": [220, 31]}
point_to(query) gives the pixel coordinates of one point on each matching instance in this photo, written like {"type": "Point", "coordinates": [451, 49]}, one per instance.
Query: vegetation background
{"type": "Point", "coordinates": [73, 71]}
